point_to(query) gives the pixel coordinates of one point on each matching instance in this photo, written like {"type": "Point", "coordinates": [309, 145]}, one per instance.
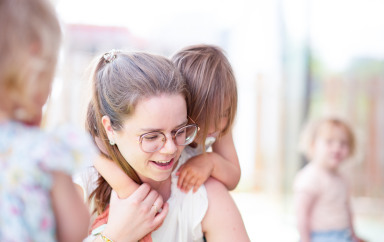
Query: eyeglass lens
{"type": "Point", "coordinates": [154, 141]}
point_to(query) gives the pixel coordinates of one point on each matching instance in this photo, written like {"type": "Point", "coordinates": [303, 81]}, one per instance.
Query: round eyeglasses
{"type": "Point", "coordinates": [154, 141]}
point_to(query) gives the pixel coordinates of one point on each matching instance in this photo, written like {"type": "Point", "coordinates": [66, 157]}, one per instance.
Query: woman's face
{"type": "Point", "coordinates": [165, 113]}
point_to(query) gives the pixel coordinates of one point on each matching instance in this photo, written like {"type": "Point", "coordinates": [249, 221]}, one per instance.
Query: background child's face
{"type": "Point", "coordinates": [331, 146]}
{"type": "Point", "coordinates": [36, 91]}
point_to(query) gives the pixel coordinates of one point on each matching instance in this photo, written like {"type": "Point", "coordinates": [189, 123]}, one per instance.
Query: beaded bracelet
{"type": "Point", "coordinates": [105, 238]}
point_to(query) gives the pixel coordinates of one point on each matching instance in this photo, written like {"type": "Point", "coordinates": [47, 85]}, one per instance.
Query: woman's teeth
{"type": "Point", "coordinates": [165, 162]}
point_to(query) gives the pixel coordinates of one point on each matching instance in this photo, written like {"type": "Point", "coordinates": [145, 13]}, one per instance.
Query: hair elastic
{"type": "Point", "coordinates": [110, 55]}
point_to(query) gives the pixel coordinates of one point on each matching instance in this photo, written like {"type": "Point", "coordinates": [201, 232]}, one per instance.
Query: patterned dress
{"type": "Point", "coordinates": [27, 155]}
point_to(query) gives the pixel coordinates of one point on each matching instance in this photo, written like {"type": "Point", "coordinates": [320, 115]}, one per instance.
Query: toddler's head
{"type": "Point", "coordinates": [212, 85]}
{"type": "Point", "coordinates": [29, 43]}
{"type": "Point", "coordinates": [328, 141]}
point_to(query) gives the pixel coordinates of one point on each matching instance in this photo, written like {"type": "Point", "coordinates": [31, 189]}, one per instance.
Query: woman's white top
{"type": "Point", "coordinates": [186, 210]}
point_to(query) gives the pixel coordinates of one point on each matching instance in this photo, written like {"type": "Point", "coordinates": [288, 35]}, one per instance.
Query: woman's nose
{"type": "Point", "coordinates": [170, 147]}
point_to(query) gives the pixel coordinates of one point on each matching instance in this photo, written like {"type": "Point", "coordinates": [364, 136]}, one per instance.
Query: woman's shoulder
{"type": "Point", "coordinates": [223, 214]}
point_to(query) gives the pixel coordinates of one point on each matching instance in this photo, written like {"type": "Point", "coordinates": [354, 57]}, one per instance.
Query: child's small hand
{"type": "Point", "coordinates": [194, 173]}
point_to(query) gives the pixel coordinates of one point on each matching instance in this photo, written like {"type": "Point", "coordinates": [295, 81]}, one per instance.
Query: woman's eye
{"type": "Point", "coordinates": [180, 132]}
{"type": "Point", "coordinates": [151, 137]}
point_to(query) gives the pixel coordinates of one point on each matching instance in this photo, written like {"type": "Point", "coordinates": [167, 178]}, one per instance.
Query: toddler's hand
{"type": "Point", "coordinates": [194, 173]}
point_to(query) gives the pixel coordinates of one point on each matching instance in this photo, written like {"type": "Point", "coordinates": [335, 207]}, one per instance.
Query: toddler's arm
{"type": "Point", "coordinates": [226, 163]}
{"type": "Point", "coordinates": [122, 184]}
{"type": "Point", "coordinates": [351, 226]}
{"type": "Point", "coordinates": [71, 214]}
{"type": "Point", "coordinates": [222, 163]}
{"type": "Point", "coordinates": [303, 206]}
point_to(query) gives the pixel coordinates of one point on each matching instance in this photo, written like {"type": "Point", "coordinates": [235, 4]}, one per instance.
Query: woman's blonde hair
{"type": "Point", "coordinates": [313, 127]}
{"type": "Point", "coordinates": [120, 80]}
{"type": "Point", "coordinates": [30, 37]}
{"type": "Point", "coordinates": [212, 85]}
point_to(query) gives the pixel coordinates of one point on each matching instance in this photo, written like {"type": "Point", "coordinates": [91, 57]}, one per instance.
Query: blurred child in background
{"type": "Point", "coordinates": [38, 201]}
{"type": "Point", "coordinates": [322, 199]}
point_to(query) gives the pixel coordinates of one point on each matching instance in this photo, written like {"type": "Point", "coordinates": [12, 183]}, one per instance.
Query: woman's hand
{"type": "Point", "coordinates": [194, 172]}
{"type": "Point", "coordinates": [132, 218]}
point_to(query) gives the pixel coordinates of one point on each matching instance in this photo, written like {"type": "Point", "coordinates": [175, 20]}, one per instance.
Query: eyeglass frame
{"type": "Point", "coordinates": [140, 140]}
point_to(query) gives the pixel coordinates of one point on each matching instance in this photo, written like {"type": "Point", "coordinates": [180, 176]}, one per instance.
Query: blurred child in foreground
{"type": "Point", "coordinates": [38, 201]}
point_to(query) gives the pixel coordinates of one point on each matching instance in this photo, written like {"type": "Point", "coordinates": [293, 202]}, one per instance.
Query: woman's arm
{"type": "Point", "coordinates": [222, 163]}
{"type": "Point", "coordinates": [223, 221]}
{"type": "Point", "coordinates": [71, 214]}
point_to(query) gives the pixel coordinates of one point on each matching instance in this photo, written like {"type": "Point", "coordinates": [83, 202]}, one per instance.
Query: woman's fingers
{"type": "Point", "coordinates": [158, 205]}
{"type": "Point", "coordinates": [159, 218]}
{"type": "Point", "coordinates": [137, 215]}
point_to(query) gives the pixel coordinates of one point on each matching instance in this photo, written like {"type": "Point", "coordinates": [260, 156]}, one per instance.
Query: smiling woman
{"type": "Point", "coordinates": [137, 98]}
{"type": "Point", "coordinates": [165, 114]}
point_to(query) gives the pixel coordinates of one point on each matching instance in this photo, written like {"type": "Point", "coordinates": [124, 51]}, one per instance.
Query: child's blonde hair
{"type": "Point", "coordinates": [29, 42]}
{"type": "Point", "coordinates": [312, 129]}
{"type": "Point", "coordinates": [212, 85]}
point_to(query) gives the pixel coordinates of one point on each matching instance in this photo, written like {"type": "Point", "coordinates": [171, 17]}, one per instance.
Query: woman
{"type": "Point", "coordinates": [139, 114]}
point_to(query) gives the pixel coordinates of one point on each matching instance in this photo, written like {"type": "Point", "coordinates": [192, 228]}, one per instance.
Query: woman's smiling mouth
{"type": "Point", "coordinates": [164, 164]}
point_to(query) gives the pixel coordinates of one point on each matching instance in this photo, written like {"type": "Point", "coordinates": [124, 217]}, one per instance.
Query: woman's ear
{"type": "Point", "coordinates": [108, 129]}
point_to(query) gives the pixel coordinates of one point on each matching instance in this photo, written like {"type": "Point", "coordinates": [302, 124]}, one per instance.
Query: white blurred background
{"type": "Point", "coordinates": [293, 59]}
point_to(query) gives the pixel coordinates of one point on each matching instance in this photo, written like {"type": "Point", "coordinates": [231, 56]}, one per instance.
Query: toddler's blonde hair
{"type": "Point", "coordinates": [30, 37]}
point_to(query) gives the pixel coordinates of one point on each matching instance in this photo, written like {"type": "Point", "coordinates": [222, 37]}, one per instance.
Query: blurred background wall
{"type": "Point", "coordinates": [293, 59]}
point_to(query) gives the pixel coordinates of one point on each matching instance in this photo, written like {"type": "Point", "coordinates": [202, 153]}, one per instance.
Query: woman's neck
{"type": "Point", "coordinates": [162, 187]}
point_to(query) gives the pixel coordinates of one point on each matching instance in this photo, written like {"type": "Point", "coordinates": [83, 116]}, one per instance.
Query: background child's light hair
{"type": "Point", "coordinates": [30, 37]}
{"type": "Point", "coordinates": [311, 129]}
